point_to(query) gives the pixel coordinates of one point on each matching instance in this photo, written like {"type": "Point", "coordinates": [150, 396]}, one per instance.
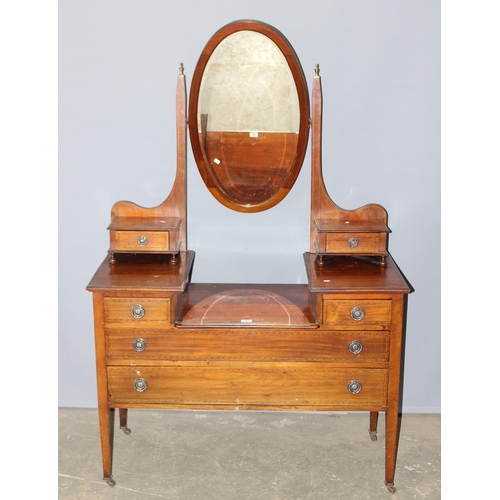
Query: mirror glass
{"type": "Point", "coordinates": [248, 116]}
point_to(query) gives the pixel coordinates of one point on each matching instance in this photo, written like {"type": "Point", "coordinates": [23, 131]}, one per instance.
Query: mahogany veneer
{"type": "Point", "coordinates": [333, 344]}
{"type": "Point", "coordinates": [168, 358]}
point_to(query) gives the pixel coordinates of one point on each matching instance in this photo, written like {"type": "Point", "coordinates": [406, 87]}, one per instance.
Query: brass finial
{"type": "Point", "coordinates": [181, 70]}
{"type": "Point", "coordinates": [316, 71]}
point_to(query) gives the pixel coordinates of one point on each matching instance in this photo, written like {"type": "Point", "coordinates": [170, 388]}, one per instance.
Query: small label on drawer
{"type": "Point", "coordinates": [246, 320]}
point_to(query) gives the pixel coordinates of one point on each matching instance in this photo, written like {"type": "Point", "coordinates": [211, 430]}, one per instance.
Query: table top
{"type": "Point", "coordinates": [354, 274]}
{"type": "Point", "coordinates": [146, 272]}
{"type": "Point", "coordinates": [150, 272]}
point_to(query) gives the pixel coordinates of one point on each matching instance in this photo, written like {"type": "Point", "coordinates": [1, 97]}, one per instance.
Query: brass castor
{"type": "Point", "coordinates": [125, 430]}
{"type": "Point", "coordinates": [391, 488]}
{"type": "Point", "coordinates": [111, 482]}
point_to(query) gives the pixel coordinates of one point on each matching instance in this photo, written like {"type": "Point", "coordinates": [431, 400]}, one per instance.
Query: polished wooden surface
{"type": "Point", "coordinates": [273, 304]}
{"type": "Point", "coordinates": [143, 273]}
{"type": "Point", "coordinates": [334, 343]}
{"type": "Point", "coordinates": [185, 364]}
{"type": "Point", "coordinates": [171, 214]}
{"type": "Point", "coordinates": [326, 216]}
{"type": "Point", "coordinates": [145, 223]}
{"type": "Point", "coordinates": [354, 274]}
{"type": "Point", "coordinates": [246, 344]}
{"type": "Point", "coordinates": [253, 385]}
{"type": "Point", "coordinates": [117, 313]}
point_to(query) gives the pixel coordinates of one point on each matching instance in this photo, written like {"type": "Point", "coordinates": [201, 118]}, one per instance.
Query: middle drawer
{"type": "Point", "coordinates": [252, 344]}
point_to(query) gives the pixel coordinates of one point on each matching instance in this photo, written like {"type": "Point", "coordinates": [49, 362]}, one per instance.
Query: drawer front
{"type": "Point", "coordinates": [248, 385]}
{"type": "Point", "coordinates": [177, 344]}
{"type": "Point", "coordinates": [353, 243]}
{"type": "Point", "coordinates": [142, 241]}
{"type": "Point", "coordinates": [357, 314]}
{"type": "Point", "coordinates": [136, 313]}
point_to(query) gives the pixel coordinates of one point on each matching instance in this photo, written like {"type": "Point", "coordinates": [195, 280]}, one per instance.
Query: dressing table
{"type": "Point", "coordinates": [333, 344]}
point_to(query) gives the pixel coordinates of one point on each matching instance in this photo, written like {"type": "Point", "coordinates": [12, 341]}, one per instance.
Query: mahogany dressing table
{"type": "Point", "coordinates": [334, 344]}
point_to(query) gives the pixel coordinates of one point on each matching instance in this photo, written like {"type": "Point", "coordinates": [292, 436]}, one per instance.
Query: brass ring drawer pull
{"type": "Point", "coordinates": [140, 384]}
{"type": "Point", "coordinates": [137, 311]}
{"type": "Point", "coordinates": [139, 345]}
{"type": "Point", "coordinates": [357, 313]}
{"type": "Point", "coordinates": [142, 241]}
{"type": "Point", "coordinates": [354, 386]}
{"type": "Point", "coordinates": [355, 346]}
{"type": "Point", "coordinates": [353, 242]}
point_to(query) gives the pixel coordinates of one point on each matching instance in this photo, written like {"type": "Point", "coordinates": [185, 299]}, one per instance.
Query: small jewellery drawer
{"type": "Point", "coordinates": [353, 243]}
{"type": "Point", "coordinates": [237, 384]}
{"type": "Point", "coordinates": [357, 314]}
{"type": "Point", "coordinates": [136, 312]}
{"type": "Point", "coordinates": [229, 344]}
{"type": "Point", "coordinates": [145, 241]}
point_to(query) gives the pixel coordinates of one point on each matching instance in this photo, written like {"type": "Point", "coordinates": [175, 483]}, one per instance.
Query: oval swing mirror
{"type": "Point", "coordinates": [249, 116]}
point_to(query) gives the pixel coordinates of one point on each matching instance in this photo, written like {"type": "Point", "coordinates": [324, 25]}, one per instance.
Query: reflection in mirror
{"type": "Point", "coordinates": [249, 120]}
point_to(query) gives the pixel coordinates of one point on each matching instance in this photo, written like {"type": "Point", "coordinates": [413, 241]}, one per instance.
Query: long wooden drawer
{"type": "Point", "coordinates": [136, 312]}
{"type": "Point", "coordinates": [248, 384]}
{"type": "Point", "coordinates": [258, 344]}
{"type": "Point", "coordinates": [359, 314]}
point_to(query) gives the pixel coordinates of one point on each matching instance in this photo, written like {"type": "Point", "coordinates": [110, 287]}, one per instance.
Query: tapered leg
{"type": "Point", "coordinates": [373, 425]}
{"type": "Point", "coordinates": [391, 445]}
{"type": "Point", "coordinates": [123, 420]}
{"type": "Point", "coordinates": [107, 424]}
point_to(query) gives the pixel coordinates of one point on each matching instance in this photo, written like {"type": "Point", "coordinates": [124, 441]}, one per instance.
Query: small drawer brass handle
{"type": "Point", "coordinates": [353, 242]}
{"type": "Point", "coordinates": [142, 240]}
{"type": "Point", "coordinates": [354, 386]}
{"type": "Point", "coordinates": [140, 384]}
{"type": "Point", "coordinates": [355, 346]}
{"type": "Point", "coordinates": [139, 345]}
{"type": "Point", "coordinates": [357, 313]}
{"type": "Point", "coordinates": [137, 311]}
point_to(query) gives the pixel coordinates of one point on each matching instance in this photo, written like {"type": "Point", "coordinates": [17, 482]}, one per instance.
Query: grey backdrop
{"type": "Point", "coordinates": [380, 68]}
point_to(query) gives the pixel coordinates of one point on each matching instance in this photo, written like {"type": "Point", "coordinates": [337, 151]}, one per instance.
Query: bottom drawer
{"type": "Point", "coordinates": [303, 384]}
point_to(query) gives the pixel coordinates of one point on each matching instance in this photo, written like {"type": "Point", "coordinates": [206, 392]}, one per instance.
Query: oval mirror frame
{"type": "Point", "coordinates": [293, 170]}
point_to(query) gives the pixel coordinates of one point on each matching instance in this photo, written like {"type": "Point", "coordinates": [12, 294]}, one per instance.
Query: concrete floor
{"type": "Point", "coordinates": [202, 455]}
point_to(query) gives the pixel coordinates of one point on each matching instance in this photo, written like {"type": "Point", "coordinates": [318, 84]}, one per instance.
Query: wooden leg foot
{"type": "Point", "coordinates": [319, 261]}
{"type": "Point", "coordinates": [391, 487]}
{"type": "Point", "coordinates": [111, 482]}
{"type": "Point", "coordinates": [373, 425]}
{"type": "Point", "coordinates": [106, 424]}
{"type": "Point", "coordinates": [112, 260]}
{"type": "Point", "coordinates": [173, 260]}
{"type": "Point", "coordinates": [123, 421]}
